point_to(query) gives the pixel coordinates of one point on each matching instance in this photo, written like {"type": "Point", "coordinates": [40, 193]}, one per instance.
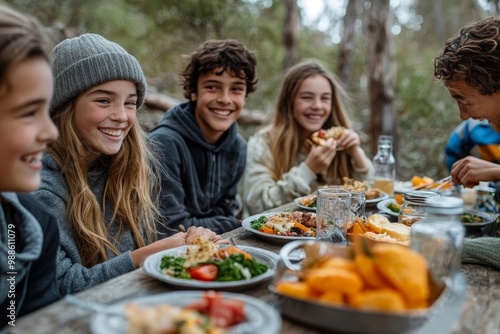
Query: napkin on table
{"type": "Point", "coordinates": [484, 251]}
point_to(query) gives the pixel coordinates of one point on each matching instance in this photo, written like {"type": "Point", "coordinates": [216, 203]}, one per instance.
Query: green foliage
{"type": "Point", "coordinates": [159, 32]}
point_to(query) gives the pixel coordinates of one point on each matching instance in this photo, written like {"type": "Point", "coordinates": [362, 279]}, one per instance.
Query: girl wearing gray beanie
{"type": "Point", "coordinates": [98, 177]}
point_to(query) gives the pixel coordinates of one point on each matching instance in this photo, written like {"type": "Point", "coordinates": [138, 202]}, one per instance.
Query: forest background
{"type": "Point", "coordinates": [381, 50]}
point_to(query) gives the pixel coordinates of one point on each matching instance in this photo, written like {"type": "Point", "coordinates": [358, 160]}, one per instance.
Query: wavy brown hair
{"type": "Point", "coordinates": [472, 56]}
{"type": "Point", "coordinates": [21, 37]}
{"type": "Point", "coordinates": [132, 181]}
{"type": "Point", "coordinates": [284, 135]}
{"type": "Point", "coordinates": [228, 55]}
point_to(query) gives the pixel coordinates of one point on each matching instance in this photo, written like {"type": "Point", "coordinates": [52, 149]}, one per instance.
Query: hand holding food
{"type": "Point", "coordinates": [321, 136]}
{"type": "Point", "coordinates": [320, 157]}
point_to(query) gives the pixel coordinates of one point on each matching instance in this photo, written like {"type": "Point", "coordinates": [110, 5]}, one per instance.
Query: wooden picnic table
{"type": "Point", "coordinates": [479, 314]}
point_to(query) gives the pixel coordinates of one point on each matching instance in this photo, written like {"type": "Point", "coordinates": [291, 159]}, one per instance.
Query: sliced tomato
{"type": "Point", "coordinates": [204, 272]}
{"type": "Point", "coordinates": [223, 312]}
{"type": "Point", "coordinates": [321, 133]}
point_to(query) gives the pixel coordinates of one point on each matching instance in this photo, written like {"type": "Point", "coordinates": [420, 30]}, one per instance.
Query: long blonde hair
{"type": "Point", "coordinates": [284, 134]}
{"type": "Point", "coordinates": [132, 181]}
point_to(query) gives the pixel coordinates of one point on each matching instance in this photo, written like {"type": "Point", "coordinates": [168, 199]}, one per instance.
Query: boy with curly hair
{"type": "Point", "coordinates": [469, 66]}
{"type": "Point", "coordinates": [202, 155]}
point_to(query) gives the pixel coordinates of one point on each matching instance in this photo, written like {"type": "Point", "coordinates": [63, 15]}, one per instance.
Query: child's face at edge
{"type": "Point", "coordinates": [474, 105]}
{"type": "Point", "coordinates": [312, 105]}
{"type": "Point", "coordinates": [219, 102]}
{"type": "Point", "coordinates": [104, 115]}
{"type": "Point", "coordinates": [25, 124]}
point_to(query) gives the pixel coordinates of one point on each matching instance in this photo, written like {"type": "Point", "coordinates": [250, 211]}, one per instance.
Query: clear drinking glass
{"type": "Point", "coordinates": [358, 204]}
{"type": "Point", "coordinates": [333, 209]}
{"type": "Point", "coordinates": [439, 237]}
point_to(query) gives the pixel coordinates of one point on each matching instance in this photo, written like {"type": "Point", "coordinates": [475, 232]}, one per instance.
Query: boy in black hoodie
{"type": "Point", "coordinates": [29, 236]}
{"type": "Point", "coordinates": [201, 154]}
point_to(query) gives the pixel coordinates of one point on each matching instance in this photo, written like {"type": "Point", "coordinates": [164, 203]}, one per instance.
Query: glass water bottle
{"type": "Point", "coordinates": [385, 166]}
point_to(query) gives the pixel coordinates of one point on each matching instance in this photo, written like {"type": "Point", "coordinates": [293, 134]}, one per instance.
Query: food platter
{"type": "Point", "coordinates": [297, 202]}
{"type": "Point", "coordinates": [260, 316]}
{"type": "Point", "coordinates": [277, 239]}
{"type": "Point", "coordinates": [445, 306]}
{"type": "Point", "coordinates": [151, 266]}
{"type": "Point", "coordinates": [383, 206]}
{"type": "Point", "coordinates": [374, 201]}
{"type": "Point", "coordinates": [487, 219]}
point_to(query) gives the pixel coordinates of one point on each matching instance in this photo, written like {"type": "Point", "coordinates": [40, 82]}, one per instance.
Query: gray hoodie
{"type": "Point", "coordinates": [72, 275]}
{"type": "Point", "coordinates": [28, 245]}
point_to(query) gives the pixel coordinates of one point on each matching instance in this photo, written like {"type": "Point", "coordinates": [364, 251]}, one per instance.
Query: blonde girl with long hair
{"type": "Point", "coordinates": [99, 177]}
{"type": "Point", "coordinates": [282, 164]}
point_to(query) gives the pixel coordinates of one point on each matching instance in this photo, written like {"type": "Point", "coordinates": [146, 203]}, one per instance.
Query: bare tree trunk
{"type": "Point", "coordinates": [291, 33]}
{"type": "Point", "coordinates": [382, 72]}
{"type": "Point", "coordinates": [347, 44]}
{"type": "Point", "coordinates": [437, 8]}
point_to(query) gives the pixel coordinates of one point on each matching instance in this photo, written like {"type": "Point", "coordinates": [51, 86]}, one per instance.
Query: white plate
{"type": "Point", "coordinates": [151, 266]}
{"type": "Point", "coordinates": [404, 186]}
{"type": "Point", "coordinates": [260, 316]}
{"type": "Point", "coordinates": [382, 206]}
{"type": "Point", "coordinates": [377, 199]}
{"type": "Point", "coordinates": [368, 202]}
{"type": "Point", "coordinates": [277, 239]}
{"type": "Point", "coordinates": [303, 207]}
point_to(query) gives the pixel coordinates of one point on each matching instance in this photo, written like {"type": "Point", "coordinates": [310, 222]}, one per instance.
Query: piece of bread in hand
{"type": "Point", "coordinates": [321, 136]}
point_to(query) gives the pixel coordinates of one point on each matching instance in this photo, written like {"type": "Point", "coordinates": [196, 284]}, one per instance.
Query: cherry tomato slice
{"type": "Point", "coordinates": [204, 272]}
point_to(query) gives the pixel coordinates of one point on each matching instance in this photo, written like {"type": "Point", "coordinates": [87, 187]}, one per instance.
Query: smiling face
{"type": "Point", "coordinates": [312, 104]}
{"type": "Point", "coordinates": [219, 101]}
{"type": "Point", "coordinates": [104, 115]}
{"type": "Point", "coordinates": [474, 105]}
{"type": "Point", "coordinates": [25, 125]}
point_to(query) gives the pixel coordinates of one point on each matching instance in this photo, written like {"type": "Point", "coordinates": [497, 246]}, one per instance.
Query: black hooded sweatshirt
{"type": "Point", "coordinates": [199, 180]}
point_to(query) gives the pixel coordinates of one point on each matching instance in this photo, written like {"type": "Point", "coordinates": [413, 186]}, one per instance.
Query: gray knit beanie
{"type": "Point", "coordinates": [88, 60]}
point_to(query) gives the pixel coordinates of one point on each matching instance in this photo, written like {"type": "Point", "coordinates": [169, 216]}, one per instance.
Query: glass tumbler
{"type": "Point", "coordinates": [358, 204]}
{"type": "Point", "coordinates": [439, 237]}
{"type": "Point", "coordinates": [333, 209]}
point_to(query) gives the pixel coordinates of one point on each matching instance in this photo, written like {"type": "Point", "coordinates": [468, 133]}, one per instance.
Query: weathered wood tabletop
{"type": "Point", "coordinates": [480, 313]}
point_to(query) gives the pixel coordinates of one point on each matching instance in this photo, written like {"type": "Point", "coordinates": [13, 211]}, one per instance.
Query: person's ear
{"type": "Point", "coordinates": [193, 96]}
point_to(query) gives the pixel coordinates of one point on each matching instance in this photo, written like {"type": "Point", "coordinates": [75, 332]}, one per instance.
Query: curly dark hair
{"type": "Point", "coordinates": [229, 55]}
{"type": "Point", "coordinates": [473, 56]}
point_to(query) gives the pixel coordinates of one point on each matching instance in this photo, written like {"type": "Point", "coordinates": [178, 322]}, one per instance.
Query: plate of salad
{"type": "Point", "coordinates": [307, 202]}
{"type": "Point", "coordinates": [183, 311]}
{"type": "Point", "coordinates": [282, 227]}
{"type": "Point", "coordinates": [205, 265]}
{"type": "Point", "coordinates": [389, 206]}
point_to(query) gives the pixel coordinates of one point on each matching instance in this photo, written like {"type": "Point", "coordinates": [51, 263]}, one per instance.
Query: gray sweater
{"type": "Point", "coordinates": [72, 275]}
